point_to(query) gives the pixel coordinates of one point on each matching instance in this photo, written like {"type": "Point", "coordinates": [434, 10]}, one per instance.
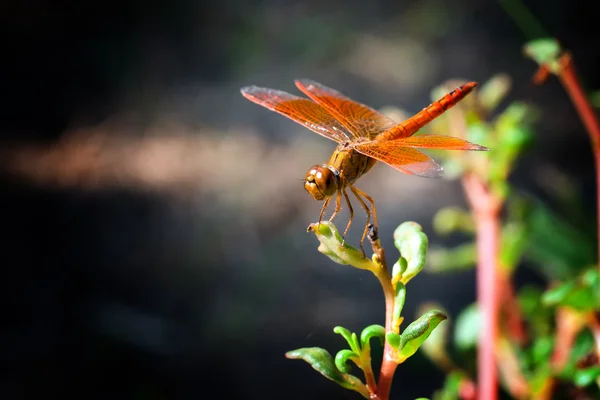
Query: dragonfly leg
{"type": "Point", "coordinates": [351, 213]}
{"type": "Point", "coordinates": [338, 205]}
{"type": "Point", "coordinates": [323, 209]}
{"type": "Point", "coordinates": [358, 193]}
{"type": "Point", "coordinates": [373, 209]}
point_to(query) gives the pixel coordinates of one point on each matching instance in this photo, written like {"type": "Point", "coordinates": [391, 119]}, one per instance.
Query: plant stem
{"type": "Point", "coordinates": [486, 210]}
{"type": "Point", "coordinates": [570, 81]}
{"type": "Point", "coordinates": [388, 365]}
{"type": "Point", "coordinates": [594, 325]}
{"type": "Point", "coordinates": [512, 315]}
{"type": "Point", "coordinates": [370, 377]}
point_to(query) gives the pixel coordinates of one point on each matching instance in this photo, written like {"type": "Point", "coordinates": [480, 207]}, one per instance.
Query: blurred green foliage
{"type": "Point", "coordinates": [532, 234]}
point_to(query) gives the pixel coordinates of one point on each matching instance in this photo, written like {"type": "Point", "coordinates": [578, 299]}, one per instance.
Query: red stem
{"type": "Point", "coordinates": [594, 325]}
{"type": "Point", "coordinates": [570, 81]}
{"type": "Point", "coordinates": [388, 365]}
{"type": "Point", "coordinates": [512, 314]}
{"type": "Point", "coordinates": [486, 209]}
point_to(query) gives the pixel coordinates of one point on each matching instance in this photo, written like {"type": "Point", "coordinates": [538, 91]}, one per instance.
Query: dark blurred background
{"type": "Point", "coordinates": [154, 239]}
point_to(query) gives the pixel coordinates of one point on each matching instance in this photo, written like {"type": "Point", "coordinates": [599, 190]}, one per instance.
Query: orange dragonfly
{"type": "Point", "coordinates": [364, 136]}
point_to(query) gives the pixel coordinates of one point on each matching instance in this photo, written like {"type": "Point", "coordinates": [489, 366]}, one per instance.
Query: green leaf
{"type": "Point", "coordinates": [585, 377]}
{"type": "Point", "coordinates": [584, 344]}
{"type": "Point", "coordinates": [398, 270]}
{"type": "Point", "coordinates": [458, 258]}
{"type": "Point", "coordinates": [452, 385]}
{"type": "Point", "coordinates": [350, 338]}
{"type": "Point", "coordinates": [323, 362]}
{"type": "Point", "coordinates": [331, 245]}
{"type": "Point", "coordinates": [435, 346]}
{"type": "Point", "coordinates": [558, 294]}
{"type": "Point", "coordinates": [417, 332]}
{"type": "Point", "coordinates": [595, 98]}
{"type": "Point", "coordinates": [468, 325]}
{"type": "Point", "coordinates": [492, 92]}
{"type": "Point", "coordinates": [342, 357]}
{"type": "Point", "coordinates": [514, 243]}
{"type": "Point", "coordinates": [572, 294]}
{"type": "Point", "coordinates": [517, 114]}
{"type": "Point", "coordinates": [370, 332]}
{"type": "Point", "coordinates": [544, 52]}
{"type": "Point", "coordinates": [560, 252]}
{"type": "Point", "coordinates": [412, 244]}
{"type": "Point", "coordinates": [481, 133]}
{"type": "Point", "coordinates": [591, 278]}
{"type": "Point", "coordinates": [399, 299]}
{"type": "Point", "coordinates": [540, 378]}
{"type": "Point", "coordinates": [541, 350]}
{"type": "Point", "coordinates": [394, 339]}
{"type": "Point", "coordinates": [453, 219]}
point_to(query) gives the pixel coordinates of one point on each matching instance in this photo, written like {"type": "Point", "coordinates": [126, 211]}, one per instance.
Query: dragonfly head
{"type": "Point", "coordinates": [321, 181]}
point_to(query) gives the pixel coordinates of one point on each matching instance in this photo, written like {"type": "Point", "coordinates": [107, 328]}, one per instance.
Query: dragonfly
{"type": "Point", "coordinates": [364, 137]}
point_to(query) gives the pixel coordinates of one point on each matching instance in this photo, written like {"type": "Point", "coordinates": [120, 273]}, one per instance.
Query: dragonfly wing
{"type": "Point", "coordinates": [405, 159]}
{"type": "Point", "coordinates": [304, 111]}
{"type": "Point", "coordinates": [360, 120]}
{"type": "Point", "coordinates": [441, 142]}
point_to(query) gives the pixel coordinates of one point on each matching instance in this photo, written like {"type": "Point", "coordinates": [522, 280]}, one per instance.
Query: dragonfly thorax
{"type": "Point", "coordinates": [322, 181]}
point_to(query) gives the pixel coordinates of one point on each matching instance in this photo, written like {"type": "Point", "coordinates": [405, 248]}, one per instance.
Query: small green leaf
{"type": "Point", "coordinates": [350, 338]}
{"type": "Point", "coordinates": [492, 92]}
{"type": "Point", "coordinates": [514, 243]}
{"type": "Point", "coordinates": [557, 294]}
{"type": "Point", "coordinates": [466, 330]}
{"type": "Point", "coordinates": [585, 377]}
{"type": "Point", "coordinates": [417, 332]}
{"type": "Point", "coordinates": [398, 270]}
{"type": "Point", "coordinates": [591, 278]}
{"type": "Point", "coordinates": [595, 98]}
{"type": "Point", "coordinates": [452, 385]}
{"type": "Point", "coordinates": [584, 344]}
{"type": "Point", "coordinates": [435, 346]}
{"type": "Point", "coordinates": [458, 258]}
{"type": "Point", "coordinates": [342, 357]}
{"type": "Point", "coordinates": [369, 332]}
{"type": "Point", "coordinates": [529, 299]}
{"type": "Point", "coordinates": [560, 252]}
{"type": "Point", "coordinates": [453, 219]}
{"type": "Point", "coordinates": [572, 294]}
{"type": "Point", "coordinates": [517, 114]}
{"type": "Point", "coordinates": [544, 52]}
{"type": "Point", "coordinates": [541, 350]}
{"type": "Point", "coordinates": [394, 339]}
{"type": "Point", "coordinates": [481, 133]}
{"type": "Point", "coordinates": [323, 362]}
{"type": "Point", "coordinates": [331, 246]}
{"type": "Point", "coordinates": [399, 300]}
{"type": "Point", "coordinates": [412, 244]}
{"type": "Point", "coordinates": [541, 377]}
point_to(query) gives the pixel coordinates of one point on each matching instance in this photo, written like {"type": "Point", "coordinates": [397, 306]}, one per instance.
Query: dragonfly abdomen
{"type": "Point", "coordinates": [429, 113]}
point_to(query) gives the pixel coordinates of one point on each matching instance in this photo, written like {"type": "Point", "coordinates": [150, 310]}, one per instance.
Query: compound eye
{"type": "Point", "coordinates": [320, 182]}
